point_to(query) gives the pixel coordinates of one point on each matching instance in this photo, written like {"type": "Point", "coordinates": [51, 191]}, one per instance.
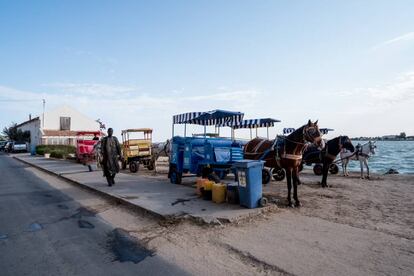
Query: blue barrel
{"type": "Point", "coordinates": [249, 174]}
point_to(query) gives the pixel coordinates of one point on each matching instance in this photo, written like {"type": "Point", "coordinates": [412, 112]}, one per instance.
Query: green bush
{"type": "Point", "coordinates": [57, 154]}
{"type": "Point", "coordinates": [63, 150]}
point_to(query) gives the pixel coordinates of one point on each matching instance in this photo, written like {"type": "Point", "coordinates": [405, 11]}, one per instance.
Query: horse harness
{"type": "Point", "coordinates": [296, 157]}
{"type": "Point", "coordinates": [325, 152]}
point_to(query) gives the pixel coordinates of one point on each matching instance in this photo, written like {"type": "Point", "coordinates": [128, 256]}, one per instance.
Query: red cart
{"type": "Point", "coordinates": [85, 146]}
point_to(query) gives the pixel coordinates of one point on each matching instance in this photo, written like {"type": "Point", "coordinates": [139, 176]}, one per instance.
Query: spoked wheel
{"type": "Point", "coordinates": [266, 176]}
{"type": "Point", "coordinates": [278, 174]}
{"type": "Point", "coordinates": [333, 168]}
{"type": "Point", "coordinates": [317, 169]}
{"type": "Point", "coordinates": [133, 166]}
{"type": "Point", "coordinates": [175, 177]}
{"type": "Point", "coordinates": [214, 177]}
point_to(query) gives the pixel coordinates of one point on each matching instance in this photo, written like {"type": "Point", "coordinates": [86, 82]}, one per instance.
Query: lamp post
{"type": "Point", "coordinates": [43, 115]}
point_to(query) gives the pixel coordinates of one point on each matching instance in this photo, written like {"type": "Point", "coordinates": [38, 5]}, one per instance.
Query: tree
{"type": "Point", "coordinates": [15, 134]}
{"type": "Point", "coordinates": [403, 135]}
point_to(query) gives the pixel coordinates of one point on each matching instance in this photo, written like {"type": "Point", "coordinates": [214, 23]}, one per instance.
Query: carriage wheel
{"type": "Point", "coordinates": [278, 174]}
{"type": "Point", "coordinates": [175, 177]}
{"type": "Point", "coordinates": [266, 176]}
{"type": "Point", "coordinates": [263, 202]}
{"type": "Point", "coordinates": [133, 166]}
{"type": "Point", "coordinates": [333, 168]}
{"type": "Point", "coordinates": [213, 177]}
{"type": "Point", "coordinates": [318, 169]}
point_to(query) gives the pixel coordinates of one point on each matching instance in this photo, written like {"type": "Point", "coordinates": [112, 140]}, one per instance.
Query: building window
{"type": "Point", "coordinates": [64, 123]}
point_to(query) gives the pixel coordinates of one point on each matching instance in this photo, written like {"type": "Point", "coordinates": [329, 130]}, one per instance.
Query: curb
{"type": "Point", "coordinates": [144, 211]}
{"type": "Point", "coordinates": [117, 199]}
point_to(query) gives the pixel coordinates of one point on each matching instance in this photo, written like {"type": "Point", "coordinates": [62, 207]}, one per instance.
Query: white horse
{"type": "Point", "coordinates": [361, 153]}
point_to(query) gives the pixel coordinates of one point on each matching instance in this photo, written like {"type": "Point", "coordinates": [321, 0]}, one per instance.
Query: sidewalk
{"type": "Point", "coordinates": [154, 195]}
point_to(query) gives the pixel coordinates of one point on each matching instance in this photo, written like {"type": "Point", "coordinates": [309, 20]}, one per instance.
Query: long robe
{"type": "Point", "coordinates": [111, 150]}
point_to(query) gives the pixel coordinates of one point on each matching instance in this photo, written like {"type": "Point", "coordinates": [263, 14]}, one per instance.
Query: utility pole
{"type": "Point", "coordinates": [43, 115]}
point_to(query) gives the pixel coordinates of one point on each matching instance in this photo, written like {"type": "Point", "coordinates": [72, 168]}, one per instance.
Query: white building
{"type": "Point", "coordinates": [58, 128]}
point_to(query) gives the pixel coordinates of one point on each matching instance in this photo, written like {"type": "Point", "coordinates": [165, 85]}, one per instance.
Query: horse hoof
{"type": "Point", "coordinates": [298, 204]}
{"type": "Point", "coordinates": [290, 205]}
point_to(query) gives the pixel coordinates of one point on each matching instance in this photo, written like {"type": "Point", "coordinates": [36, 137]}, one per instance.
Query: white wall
{"type": "Point", "coordinates": [35, 135]}
{"type": "Point", "coordinates": [78, 121]}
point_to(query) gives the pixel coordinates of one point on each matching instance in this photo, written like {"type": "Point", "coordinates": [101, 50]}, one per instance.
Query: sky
{"type": "Point", "coordinates": [348, 64]}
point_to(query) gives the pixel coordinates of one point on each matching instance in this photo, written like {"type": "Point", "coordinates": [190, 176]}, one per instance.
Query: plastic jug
{"type": "Point", "coordinates": [219, 193]}
{"type": "Point", "coordinates": [208, 185]}
{"type": "Point", "coordinates": [200, 184]}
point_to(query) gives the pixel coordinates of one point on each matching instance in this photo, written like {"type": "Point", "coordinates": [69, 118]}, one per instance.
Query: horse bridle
{"type": "Point", "coordinates": [308, 136]}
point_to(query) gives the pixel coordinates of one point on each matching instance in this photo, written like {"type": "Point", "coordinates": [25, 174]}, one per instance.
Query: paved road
{"type": "Point", "coordinates": [45, 232]}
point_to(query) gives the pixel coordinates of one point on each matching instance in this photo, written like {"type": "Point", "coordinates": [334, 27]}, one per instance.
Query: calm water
{"type": "Point", "coordinates": [398, 155]}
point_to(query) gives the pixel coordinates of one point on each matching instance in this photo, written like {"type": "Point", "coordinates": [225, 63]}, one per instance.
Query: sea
{"type": "Point", "coordinates": [398, 155]}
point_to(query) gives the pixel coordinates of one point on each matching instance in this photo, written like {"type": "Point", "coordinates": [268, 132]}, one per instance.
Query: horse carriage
{"type": "Point", "coordinates": [137, 151]}
{"type": "Point", "coordinates": [206, 155]}
{"type": "Point", "coordinates": [287, 152]}
{"type": "Point", "coordinates": [362, 154]}
{"type": "Point", "coordinates": [268, 155]}
{"type": "Point", "coordinates": [313, 156]}
{"type": "Point", "coordinates": [85, 146]}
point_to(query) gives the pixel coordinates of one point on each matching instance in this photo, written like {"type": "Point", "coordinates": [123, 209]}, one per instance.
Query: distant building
{"type": "Point", "coordinates": [389, 137]}
{"type": "Point", "coordinates": [59, 127]}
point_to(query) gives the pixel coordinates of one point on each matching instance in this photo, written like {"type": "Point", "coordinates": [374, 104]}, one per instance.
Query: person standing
{"type": "Point", "coordinates": [111, 153]}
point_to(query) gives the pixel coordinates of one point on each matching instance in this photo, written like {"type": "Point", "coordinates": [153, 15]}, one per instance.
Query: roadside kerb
{"type": "Point", "coordinates": [149, 195]}
{"type": "Point", "coordinates": [115, 198]}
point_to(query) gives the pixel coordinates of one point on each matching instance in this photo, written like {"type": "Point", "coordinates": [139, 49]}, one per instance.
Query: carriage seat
{"type": "Point", "coordinates": [86, 146]}
{"type": "Point", "coordinates": [138, 147]}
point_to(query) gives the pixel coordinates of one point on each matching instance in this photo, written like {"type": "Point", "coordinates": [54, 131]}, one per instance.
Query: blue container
{"type": "Point", "coordinates": [249, 174]}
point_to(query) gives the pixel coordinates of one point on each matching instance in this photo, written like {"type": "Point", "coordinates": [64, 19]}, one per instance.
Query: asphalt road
{"type": "Point", "coordinates": [45, 232]}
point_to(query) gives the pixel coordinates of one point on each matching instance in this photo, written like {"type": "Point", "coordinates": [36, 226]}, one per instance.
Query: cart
{"type": "Point", "coordinates": [270, 167]}
{"type": "Point", "coordinates": [137, 151]}
{"type": "Point", "coordinates": [204, 155]}
{"type": "Point", "coordinates": [318, 167]}
{"type": "Point", "coordinates": [85, 147]}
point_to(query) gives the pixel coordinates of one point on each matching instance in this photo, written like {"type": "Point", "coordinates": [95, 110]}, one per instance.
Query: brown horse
{"type": "Point", "coordinates": [286, 153]}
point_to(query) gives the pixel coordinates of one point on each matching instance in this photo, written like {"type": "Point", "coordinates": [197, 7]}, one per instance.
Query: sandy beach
{"type": "Point", "coordinates": [356, 227]}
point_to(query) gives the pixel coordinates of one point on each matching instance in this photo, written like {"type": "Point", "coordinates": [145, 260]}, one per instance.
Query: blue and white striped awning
{"type": "Point", "coordinates": [214, 117]}
{"type": "Point", "coordinates": [289, 130]}
{"type": "Point", "coordinates": [252, 123]}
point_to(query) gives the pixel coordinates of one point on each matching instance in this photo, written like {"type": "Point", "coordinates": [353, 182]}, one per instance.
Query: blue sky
{"type": "Point", "coordinates": [349, 64]}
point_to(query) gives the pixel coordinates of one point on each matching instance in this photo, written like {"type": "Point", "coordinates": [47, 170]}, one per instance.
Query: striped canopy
{"type": "Point", "coordinates": [289, 130]}
{"type": "Point", "coordinates": [214, 117]}
{"type": "Point", "coordinates": [252, 123]}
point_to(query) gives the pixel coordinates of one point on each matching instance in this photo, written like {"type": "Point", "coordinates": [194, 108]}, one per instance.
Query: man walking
{"type": "Point", "coordinates": [111, 152]}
